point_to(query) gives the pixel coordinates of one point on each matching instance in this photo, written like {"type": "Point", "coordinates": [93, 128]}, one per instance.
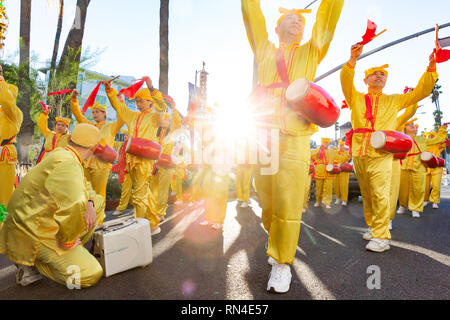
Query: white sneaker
{"type": "Point", "coordinates": [178, 202]}
{"type": "Point", "coordinates": [337, 201]}
{"type": "Point", "coordinates": [368, 235]}
{"type": "Point", "coordinates": [156, 230]}
{"type": "Point", "coordinates": [216, 226]}
{"type": "Point", "coordinates": [415, 214]}
{"type": "Point", "coordinates": [204, 223]}
{"type": "Point", "coordinates": [117, 213]}
{"type": "Point", "coordinates": [26, 275]}
{"type": "Point", "coordinates": [344, 203]}
{"type": "Point", "coordinates": [435, 206]}
{"type": "Point", "coordinates": [316, 204]}
{"type": "Point", "coordinates": [390, 224]}
{"type": "Point", "coordinates": [161, 218]}
{"type": "Point", "coordinates": [280, 278]}
{"type": "Point", "coordinates": [425, 203]}
{"type": "Point", "coordinates": [401, 210]}
{"type": "Point", "coordinates": [328, 207]}
{"type": "Point", "coordinates": [378, 245]}
{"type": "Point", "coordinates": [244, 205]}
{"type": "Point", "coordinates": [271, 261]}
{"type": "Point", "coordinates": [304, 211]}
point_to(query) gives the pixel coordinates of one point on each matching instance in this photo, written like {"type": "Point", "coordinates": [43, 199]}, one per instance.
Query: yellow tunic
{"type": "Point", "coordinates": [53, 140]}
{"type": "Point", "coordinates": [385, 108]}
{"type": "Point", "coordinates": [47, 208]}
{"type": "Point", "coordinates": [11, 118]}
{"type": "Point", "coordinates": [434, 176]}
{"type": "Point", "coordinates": [320, 171]}
{"type": "Point", "coordinates": [342, 179]}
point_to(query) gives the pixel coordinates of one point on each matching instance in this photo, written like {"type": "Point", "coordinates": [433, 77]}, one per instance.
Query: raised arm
{"type": "Point", "coordinates": [42, 125]}
{"type": "Point", "coordinates": [255, 25]}
{"type": "Point", "coordinates": [348, 76]}
{"type": "Point", "coordinates": [326, 20]}
{"type": "Point", "coordinates": [75, 106]}
{"type": "Point", "coordinates": [8, 95]}
{"type": "Point", "coordinates": [439, 138]}
{"type": "Point", "coordinates": [405, 116]}
{"type": "Point", "coordinates": [123, 111]}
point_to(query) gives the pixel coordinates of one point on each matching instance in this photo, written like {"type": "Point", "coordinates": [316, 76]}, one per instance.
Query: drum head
{"type": "Point", "coordinates": [378, 140]}
{"type": "Point", "coordinates": [426, 156]}
{"type": "Point", "coordinates": [297, 90]}
{"type": "Point", "coordinates": [330, 167]}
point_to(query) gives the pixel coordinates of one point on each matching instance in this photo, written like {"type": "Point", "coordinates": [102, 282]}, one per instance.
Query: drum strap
{"type": "Point", "coordinates": [369, 111]}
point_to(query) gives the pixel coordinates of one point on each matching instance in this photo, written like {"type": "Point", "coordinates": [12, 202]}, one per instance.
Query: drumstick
{"type": "Point", "coordinates": [437, 37]}
{"type": "Point", "coordinates": [379, 34]}
{"type": "Point", "coordinates": [114, 78]}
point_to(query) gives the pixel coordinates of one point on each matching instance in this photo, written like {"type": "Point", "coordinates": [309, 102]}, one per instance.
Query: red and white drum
{"type": "Point", "coordinates": [166, 162]}
{"type": "Point", "coordinates": [105, 153]}
{"type": "Point", "coordinates": [346, 167]}
{"type": "Point", "coordinates": [312, 103]}
{"type": "Point", "coordinates": [431, 161]}
{"type": "Point", "coordinates": [400, 156]}
{"type": "Point", "coordinates": [143, 148]}
{"type": "Point", "coordinates": [333, 169]}
{"type": "Point", "coordinates": [391, 141]}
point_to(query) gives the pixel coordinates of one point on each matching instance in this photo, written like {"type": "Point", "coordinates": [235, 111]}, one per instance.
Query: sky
{"type": "Point", "coordinates": [127, 35]}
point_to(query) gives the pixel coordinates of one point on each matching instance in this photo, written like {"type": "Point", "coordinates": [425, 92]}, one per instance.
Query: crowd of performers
{"type": "Point", "coordinates": [55, 209]}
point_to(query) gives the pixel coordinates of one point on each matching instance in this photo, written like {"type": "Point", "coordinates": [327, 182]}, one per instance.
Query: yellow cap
{"type": "Point", "coordinates": [286, 12]}
{"type": "Point", "coordinates": [86, 135]}
{"type": "Point", "coordinates": [144, 94]}
{"type": "Point", "coordinates": [66, 121]}
{"type": "Point", "coordinates": [324, 140]}
{"type": "Point", "coordinates": [375, 69]}
{"type": "Point", "coordinates": [99, 106]}
{"type": "Point", "coordinates": [341, 143]}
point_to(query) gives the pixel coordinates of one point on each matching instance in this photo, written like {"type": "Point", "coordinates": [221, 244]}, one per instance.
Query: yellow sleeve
{"type": "Point", "coordinates": [405, 116]}
{"type": "Point", "coordinates": [420, 92]}
{"type": "Point", "coordinates": [160, 105]}
{"type": "Point", "coordinates": [314, 154]}
{"type": "Point", "coordinates": [255, 25]}
{"type": "Point", "coordinates": [326, 20]}
{"type": "Point", "coordinates": [347, 84]}
{"type": "Point", "coordinates": [176, 120]}
{"type": "Point", "coordinates": [42, 125]}
{"type": "Point", "coordinates": [8, 103]}
{"type": "Point", "coordinates": [117, 125]}
{"type": "Point", "coordinates": [75, 106]}
{"type": "Point", "coordinates": [70, 201]}
{"type": "Point", "coordinates": [439, 138]}
{"type": "Point", "coordinates": [123, 111]}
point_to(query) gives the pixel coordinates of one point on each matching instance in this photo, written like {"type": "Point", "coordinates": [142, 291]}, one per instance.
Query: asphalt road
{"type": "Point", "coordinates": [193, 262]}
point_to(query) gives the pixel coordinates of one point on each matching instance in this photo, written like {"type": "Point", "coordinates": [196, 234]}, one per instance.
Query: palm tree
{"type": "Point", "coordinates": [435, 99]}
{"type": "Point", "coordinates": [57, 38]}
{"type": "Point", "coordinates": [24, 101]}
{"type": "Point", "coordinates": [164, 47]}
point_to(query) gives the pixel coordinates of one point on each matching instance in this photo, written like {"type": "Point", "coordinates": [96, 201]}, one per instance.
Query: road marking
{"type": "Point", "coordinates": [326, 236]}
{"type": "Point", "coordinates": [439, 257]}
{"type": "Point", "coordinates": [316, 288]}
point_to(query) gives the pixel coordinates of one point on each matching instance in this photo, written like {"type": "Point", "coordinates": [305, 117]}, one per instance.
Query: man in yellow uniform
{"type": "Point", "coordinates": [125, 195]}
{"type": "Point", "coordinates": [434, 175]}
{"type": "Point", "coordinates": [396, 163]}
{"type": "Point", "coordinates": [52, 214]}
{"type": "Point", "coordinates": [281, 193]}
{"type": "Point", "coordinates": [177, 182]}
{"type": "Point", "coordinates": [161, 177]}
{"type": "Point", "coordinates": [342, 179]}
{"type": "Point", "coordinates": [323, 156]}
{"type": "Point", "coordinates": [371, 112]}
{"type": "Point", "coordinates": [143, 124]}
{"type": "Point", "coordinates": [10, 122]}
{"type": "Point", "coordinates": [308, 190]}
{"type": "Point", "coordinates": [95, 170]}
{"type": "Point", "coordinates": [413, 176]}
{"type": "Point", "coordinates": [53, 139]}
{"type": "Point", "coordinates": [244, 177]}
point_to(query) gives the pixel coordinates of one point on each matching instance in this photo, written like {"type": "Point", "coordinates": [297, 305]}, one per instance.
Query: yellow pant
{"type": "Point", "coordinates": [395, 187]}
{"type": "Point", "coordinates": [324, 191]}
{"type": "Point", "coordinates": [307, 192]}
{"type": "Point", "coordinates": [140, 174]}
{"type": "Point", "coordinates": [243, 182]}
{"type": "Point", "coordinates": [99, 180]}
{"type": "Point", "coordinates": [412, 190]}
{"type": "Point", "coordinates": [435, 178]}
{"type": "Point", "coordinates": [7, 176]}
{"type": "Point", "coordinates": [374, 178]}
{"type": "Point", "coordinates": [341, 186]}
{"type": "Point", "coordinates": [125, 195]}
{"type": "Point", "coordinates": [216, 197]}
{"type": "Point", "coordinates": [177, 184]}
{"type": "Point", "coordinates": [159, 186]}
{"type": "Point", "coordinates": [197, 184]}
{"type": "Point", "coordinates": [281, 197]}
{"type": "Point", "coordinates": [60, 268]}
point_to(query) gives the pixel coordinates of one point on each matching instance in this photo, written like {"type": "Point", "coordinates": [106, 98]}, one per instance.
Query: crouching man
{"type": "Point", "coordinates": [52, 214]}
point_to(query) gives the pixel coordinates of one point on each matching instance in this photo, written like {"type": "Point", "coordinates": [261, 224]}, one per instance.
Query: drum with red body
{"type": "Point", "coordinates": [312, 102]}
{"type": "Point", "coordinates": [400, 156]}
{"type": "Point", "coordinates": [105, 153]}
{"type": "Point", "coordinates": [311, 169]}
{"type": "Point", "coordinates": [166, 162]}
{"type": "Point", "coordinates": [346, 167]}
{"type": "Point", "coordinates": [391, 141]}
{"type": "Point", "coordinates": [431, 161]}
{"type": "Point", "coordinates": [143, 148]}
{"type": "Point", "coordinates": [333, 169]}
